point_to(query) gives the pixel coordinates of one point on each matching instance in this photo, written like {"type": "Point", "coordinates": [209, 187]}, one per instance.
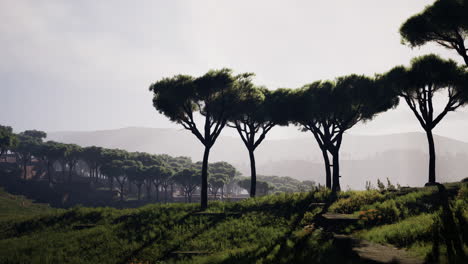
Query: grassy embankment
{"type": "Point", "coordinates": [263, 230]}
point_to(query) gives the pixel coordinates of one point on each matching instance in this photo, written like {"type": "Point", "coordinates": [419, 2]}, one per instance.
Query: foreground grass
{"type": "Point", "coordinates": [15, 207]}
{"type": "Point", "coordinates": [262, 230]}
{"type": "Point", "coordinates": [419, 222]}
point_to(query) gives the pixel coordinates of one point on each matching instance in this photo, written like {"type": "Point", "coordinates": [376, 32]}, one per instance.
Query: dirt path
{"type": "Point", "coordinates": [361, 250]}
{"type": "Point", "coordinates": [370, 252]}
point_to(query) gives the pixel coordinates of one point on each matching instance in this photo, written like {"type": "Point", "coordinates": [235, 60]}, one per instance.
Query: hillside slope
{"type": "Point", "coordinates": [364, 157]}
{"type": "Point", "coordinates": [283, 228]}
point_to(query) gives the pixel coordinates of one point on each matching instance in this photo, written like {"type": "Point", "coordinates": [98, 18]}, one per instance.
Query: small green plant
{"type": "Point", "coordinates": [370, 217]}
{"type": "Point", "coordinates": [369, 186]}
{"type": "Point", "coordinates": [380, 185]}
{"type": "Point", "coordinates": [355, 200]}
{"type": "Point", "coordinates": [390, 186]}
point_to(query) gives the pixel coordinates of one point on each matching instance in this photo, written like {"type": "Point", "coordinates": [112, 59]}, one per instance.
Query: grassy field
{"type": "Point", "coordinates": [271, 229]}
{"type": "Point", "coordinates": [16, 207]}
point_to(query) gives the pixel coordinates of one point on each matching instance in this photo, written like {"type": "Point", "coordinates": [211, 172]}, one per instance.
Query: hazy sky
{"type": "Point", "coordinates": [87, 65]}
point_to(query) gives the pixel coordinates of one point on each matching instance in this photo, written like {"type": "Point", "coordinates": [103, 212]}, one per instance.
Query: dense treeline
{"type": "Point", "coordinates": [326, 108]}
{"type": "Point", "coordinates": [152, 175]}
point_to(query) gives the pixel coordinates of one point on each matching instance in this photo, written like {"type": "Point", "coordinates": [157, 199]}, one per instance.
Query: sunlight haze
{"type": "Point", "coordinates": [87, 65]}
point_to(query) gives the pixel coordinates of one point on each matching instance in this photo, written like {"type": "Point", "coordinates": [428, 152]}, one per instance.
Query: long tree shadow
{"type": "Point", "coordinates": [447, 231]}
{"type": "Point", "coordinates": [168, 253]}
{"type": "Point", "coordinates": [252, 256]}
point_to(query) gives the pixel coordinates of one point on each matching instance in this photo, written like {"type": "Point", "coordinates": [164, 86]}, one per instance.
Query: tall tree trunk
{"type": "Point", "coordinates": [139, 192]}
{"type": "Point", "coordinates": [328, 176]}
{"type": "Point", "coordinates": [25, 169]}
{"type": "Point", "coordinates": [336, 171]}
{"type": "Point", "coordinates": [122, 186]}
{"type": "Point", "coordinates": [172, 192]}
{"type": "Point", "coordinates": [148, 191]}
{"type": "Point", "coordinates": [70, 173]}
{"type": "Point", "coordinates": [253, 174]}
{"type": "Point", "coordinates": [111, 182]}
{"type": "Point", "coordinates": [432, 157]}
{"type": "Point", "coordinates": [48, 171]}
{"type": "Point", "coordinates": [95, 174]}
{"type": "Point", "coordinates": [465, 58]}
{"type": "Point", "coordinates": [165, 194]}
{"type": "Point", "coordinates": [204, 185]}
{"type": "Point", "coordinates": [156, 186]}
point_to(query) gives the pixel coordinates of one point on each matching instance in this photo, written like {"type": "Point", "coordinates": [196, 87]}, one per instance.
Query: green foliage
{"type": "Point", "coordinates": [36, 135]}
{"type": "Point", "coordinates": [263, 187]}
{"type": "Point", "coordinates": [369, 186]}
{"type": "Point", "coordinates": [403, 233]}
{"type": "Point", "coordinates": [403, 206]}
{"type": "Point", "coordinates": [445, 23]}
{"type": "Point", "coordinates": [15, 206]}
{"type": "Point", "coordinates": [152, 232]}
{"type": "Point", "coordinates": [269, 229]}
{"type": "Point", "coordinates": [8, 139]}
{"type": "Point", "coordinates": [353, 200]}
{"type": "Point", "coordinates": [287, 184]}
{"type": "Point", "coordinates": [390, 186]}
{"type": "Point", "coordinates": [380, 185]}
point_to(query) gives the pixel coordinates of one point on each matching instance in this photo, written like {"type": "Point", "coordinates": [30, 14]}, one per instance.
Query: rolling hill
{"type": "Point", "coordinates": [400, 157]}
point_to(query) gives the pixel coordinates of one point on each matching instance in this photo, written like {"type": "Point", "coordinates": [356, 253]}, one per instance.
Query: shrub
{"type": "Point", "coordinates": [463, 193]}
{"type": "Point", "coordinates": [355, 201]}
{"type": "Point", "coordinates": [403, 233]}
{"type": "Point", "coordinates": [380, 185]}
{"type": "Point", "coordinates": [370, 217]}
{"type": "Point", "coordinates": [380, 213]}
{"type": "Point", "coordinates": [390, 186]}
{"type": "Point", "coordinates": [389, 211]}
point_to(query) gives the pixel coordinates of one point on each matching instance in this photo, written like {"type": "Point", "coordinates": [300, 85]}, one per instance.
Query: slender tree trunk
{"type": "Point", "coordinates": [432, 157]}
{"type": "Point", "coordinates": [139, 192]}
{"type": "Point", "coordinates": [253, 174]}
{"type": "Point", "coordinates": [165, 194]}
{"type": "Point", "coordinates": [172, 192]}
{"type": "Point", "coordinates": [328, 176]}
{"type": "Point", "coordinates": [95, 173]}
{"type": "Point", "coordinates": [336, 171]}
{"type": "Point", "coordinates": [465, 57]}
{"type": "Point", "coordinates": [25, 168]}
{"type": "Point", "coordinates": [111, 181]}
{"type": "Point", "coordinates": [48, 172]}
{"type": "Point", "coordinates": [63, 166]}
{"type": "Point", "coordinates": [70, 174]}
{"type": "Point", "coordinates": [204, 185]}
{"type": "Point", "coordinates": [157, 191]}
{"type": "Point", "coordinates": [122, 186]}
{"type": "Point", "coordinates": [148, 191]}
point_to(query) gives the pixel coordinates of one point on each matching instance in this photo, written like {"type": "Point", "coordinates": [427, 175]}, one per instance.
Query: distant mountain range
{"type": "Point", "coordinates": [400, 157]}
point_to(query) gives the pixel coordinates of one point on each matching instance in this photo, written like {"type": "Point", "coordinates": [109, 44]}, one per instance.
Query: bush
{"type": "Point", "coordinates": [403, 233]}
{"type": "Point", "coordinates": [370, 217]}
{"type": "Point", "coordinates": [355, 201]}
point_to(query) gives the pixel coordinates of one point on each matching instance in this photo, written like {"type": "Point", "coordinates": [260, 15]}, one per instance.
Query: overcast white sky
{"type": "Point", "coordinates": [87, 65]}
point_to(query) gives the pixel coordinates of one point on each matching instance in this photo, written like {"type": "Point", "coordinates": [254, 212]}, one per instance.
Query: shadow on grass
{"type": "Point", "coordinates": [167, 254]}
{"type": "Point", "coordinates": [448, 232]}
